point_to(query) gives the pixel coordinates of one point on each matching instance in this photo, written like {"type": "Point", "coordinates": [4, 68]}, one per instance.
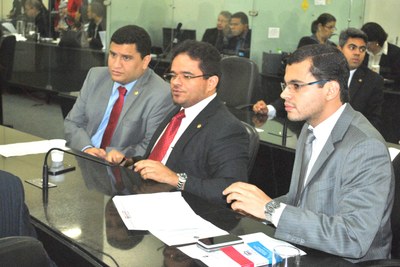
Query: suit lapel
{"type": "Point", "coordinates": [195, 127]}
{"type": "Point", "coordinates": [356, 82]}
{"type": "Point", "coordinates": [337, 134]}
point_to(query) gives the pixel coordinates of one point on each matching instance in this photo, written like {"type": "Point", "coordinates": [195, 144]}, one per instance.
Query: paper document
{"type": "Point", "coordinates": [26, 148]}
{"type": "Point", "coordinates": [166, 215]}
{"type": "Point", "coordinates": [257, 250]}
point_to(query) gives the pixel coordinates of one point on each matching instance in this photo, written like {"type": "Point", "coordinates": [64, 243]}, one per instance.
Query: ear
{"type": "Point", "coordinates": [212, 82]}
{"type": "Point", "coordinates": [333, 90]}
{"type": "Point", "coordinates": [146, 61]}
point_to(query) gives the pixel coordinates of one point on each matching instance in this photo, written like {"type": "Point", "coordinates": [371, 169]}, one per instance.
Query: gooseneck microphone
{"type": "Point", "coordinates": [74, 152]}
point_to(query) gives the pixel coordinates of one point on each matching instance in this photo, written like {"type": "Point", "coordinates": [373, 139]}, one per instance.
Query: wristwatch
{"type": "Point", "coordinates": [182, 180]}
{"type": "Point", "coordinates": [270, 208]}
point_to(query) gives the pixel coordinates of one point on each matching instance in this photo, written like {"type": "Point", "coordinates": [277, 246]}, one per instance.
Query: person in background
{"type": "Point", "coordinates": [95, 14]}
{"type": "Point", "coordinates": [219, 36]}
{"type": "Point", "coordinates": [200, 147]}
{"type": "Point", "coordinates": [16, 10]}
{"type": "Point", "coordinates": [365, 86]}
{"type": "Point", "coordinates": [342, 184]}
{"type": "Point", "coordinates": [119, 107]}
{"type": "Point", "coordinates": [322, 29]}
{"type": "Point", "coordinates": [36, 11]}
{"type": "Point", "coordinates": [382, 53]}
{"type": "Point", "coordinates": [240, 41]}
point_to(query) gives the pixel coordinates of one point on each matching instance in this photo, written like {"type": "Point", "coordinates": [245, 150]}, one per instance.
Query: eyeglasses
{"type": "Point", "coordinates": [332, 28]}
{"type": "Point", "coordinates": [186, 76]}
{"type": "Point", "coordinates": [296, 86]}
{"type": "Point", "coordinates": [353, 47]}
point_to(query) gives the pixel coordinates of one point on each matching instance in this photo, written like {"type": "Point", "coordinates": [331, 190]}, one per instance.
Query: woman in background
{"type": "Point", "coordinates": [322, 29]}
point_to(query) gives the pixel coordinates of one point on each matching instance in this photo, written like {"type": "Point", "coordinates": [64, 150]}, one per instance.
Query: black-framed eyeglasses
{"type": "Point", "coordinates": [185, 76]}
{"type": "Point", "coordinates": [296, 86]}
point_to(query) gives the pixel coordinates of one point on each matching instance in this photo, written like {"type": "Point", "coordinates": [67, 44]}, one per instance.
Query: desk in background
{"type": "Point", "coordinates": [80, 226]}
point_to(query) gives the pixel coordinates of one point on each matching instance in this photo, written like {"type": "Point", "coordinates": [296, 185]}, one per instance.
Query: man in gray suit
{"type": "Point", "coordinates": [343, 203]}
{"type": "Point", "coordinates": [146, 101]}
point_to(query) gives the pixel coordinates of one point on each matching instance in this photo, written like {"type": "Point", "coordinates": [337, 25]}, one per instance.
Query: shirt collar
{"type": "Point", "coordinates": [323, 130]}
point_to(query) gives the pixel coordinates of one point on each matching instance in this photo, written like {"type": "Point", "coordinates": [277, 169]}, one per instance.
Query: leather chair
{"type": "Point", "coordinates": [239, 79]}
{"type": "Point", "coordinates": [395, 221]}
{"type": "Point", "coordinates": [18, 243]}
{"type": "Point", "coordinates": [7, 49]}
{"type": "Point", "coordinates": [23, 251]}
{"type": "Point", "coordinates": [254, 143]}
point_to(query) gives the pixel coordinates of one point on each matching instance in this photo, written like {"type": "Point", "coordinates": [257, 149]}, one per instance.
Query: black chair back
{"type": "Point", "coordinates": [7, 49]}
{"type": "Point", "coordinates": [239, 79]}
{"type": "Point", "coordinates": [254, 143]}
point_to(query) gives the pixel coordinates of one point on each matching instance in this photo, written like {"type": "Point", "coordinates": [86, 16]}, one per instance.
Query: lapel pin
{"type": "Point", "coordinates": [198, 126]}
{"type": "Point", "coordinates": [136, 92]}
{"type": "Point", "coordinates": [360, 80]}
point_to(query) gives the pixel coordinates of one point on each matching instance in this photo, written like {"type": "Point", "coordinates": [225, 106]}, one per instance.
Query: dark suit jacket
{"type": "Point", "coordinates": [213, 151]}
{"type": "Point", "coordinates": [95, 41]}
{"type": "Point", "coordinates": [214, 37]}
{"type": "Point", "coordinates": [308, 40]}
{"type": "Point", "coordinates": [366, 96]}
{"type": "Point", "coordinates": [14, 214]}
{"type": "Point", "coordinates": [232, 49]}
{"type": "Point", "coordinates": [389, 64]}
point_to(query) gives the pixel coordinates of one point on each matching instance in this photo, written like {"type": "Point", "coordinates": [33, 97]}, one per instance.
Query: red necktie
{"type": "Point", "coordinates": [114, 116]}
{"type": "Point", "coordinates": [163, 144]}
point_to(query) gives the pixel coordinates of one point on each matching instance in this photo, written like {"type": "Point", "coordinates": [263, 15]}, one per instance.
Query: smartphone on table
{"type": "Point", "coordinates": [216, 242]}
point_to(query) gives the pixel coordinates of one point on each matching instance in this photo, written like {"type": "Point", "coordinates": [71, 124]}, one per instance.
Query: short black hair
{"type": "Point", "coordinates": [132, 34]}
{"type": "Point", "coordinates": [351, 33]}
{"type": "Point", "coordinates": [327, 63]}
{"type": "Point", "coordinates": [207, 54]}
{"type": "Point", "coordinates": [242, 16]}
{"type": "Point", "coordinates": [375, 32]}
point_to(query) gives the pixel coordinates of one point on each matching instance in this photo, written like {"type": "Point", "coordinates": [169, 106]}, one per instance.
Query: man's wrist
{"type": "Point", "coordinates": [182, 177]}
{"type": "Point", "coordinates": [269, 209]}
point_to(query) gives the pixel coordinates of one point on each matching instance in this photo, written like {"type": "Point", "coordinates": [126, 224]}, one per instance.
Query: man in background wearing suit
{"type": "Point", "coordinates": [95, 125]}
{"type": "Point", "coordinates": [210, 147]}
{"type": "Point", "coordinates": [219, 36]}
{"type": "Point", "coordinates": [340, 199]}
{"type": "Point", "coordinates": [365, 86]}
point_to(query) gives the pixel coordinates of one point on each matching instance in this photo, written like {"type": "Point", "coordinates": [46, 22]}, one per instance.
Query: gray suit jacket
{"type": "Point", "coordinates": [346, 203]}
{"type": "Point", "coordinates": [144, 108]}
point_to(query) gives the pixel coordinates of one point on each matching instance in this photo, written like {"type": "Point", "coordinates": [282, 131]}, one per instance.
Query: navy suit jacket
{"type": "Point", "coordinates": [213, 151]}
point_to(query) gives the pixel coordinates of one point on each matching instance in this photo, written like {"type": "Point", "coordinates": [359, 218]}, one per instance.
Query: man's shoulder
{"type": "Point", "coordinates": [369, 75]}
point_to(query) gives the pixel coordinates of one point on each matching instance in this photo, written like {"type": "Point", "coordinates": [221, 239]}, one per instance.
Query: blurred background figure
{"type": "Point", "coordinates": [39, 15]}
{"type": "Point", "coordinates": [16, 10]}
{"type": "Point", "coordinates": [322, 29]}
{"type": "Point", "coordinates": [382, 56]}
{"type": "Point", "coordinates": [239, 43]}
{"type": "Point", "coordinates": [218, 36]}
{"type": "Point", "coordinates": [95, 14]}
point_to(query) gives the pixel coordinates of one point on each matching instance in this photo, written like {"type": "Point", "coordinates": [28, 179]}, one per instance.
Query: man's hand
{"type": "Point", "coordinates": [115, 157]}
{"type": "Point", "coordinates": [260, 108]}
{"type": "Point", "coordinates": [97, 152]}
{"type": "Point", "coordinates": [155, 170]}
{"type": "Point", "coordinates": [247, 198]}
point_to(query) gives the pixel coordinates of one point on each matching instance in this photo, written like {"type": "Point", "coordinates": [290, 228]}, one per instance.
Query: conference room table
{"type": "Point", "coordinates": [79, 224]}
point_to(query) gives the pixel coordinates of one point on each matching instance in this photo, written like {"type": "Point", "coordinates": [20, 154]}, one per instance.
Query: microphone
{"type": "Point", "coordinates": [74, 152]}
{"type": "Point", "coordinates": [177, 33]}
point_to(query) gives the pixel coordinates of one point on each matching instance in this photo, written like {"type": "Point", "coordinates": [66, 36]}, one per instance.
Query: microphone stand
{"type": "Point", "coordinates": [45, 173]}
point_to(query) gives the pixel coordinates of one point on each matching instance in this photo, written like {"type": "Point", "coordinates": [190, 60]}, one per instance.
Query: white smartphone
{"type": "Point", "coordinates": [217, 242]}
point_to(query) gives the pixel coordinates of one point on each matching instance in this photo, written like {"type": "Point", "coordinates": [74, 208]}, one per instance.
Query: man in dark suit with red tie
{"type": "Point", "coordinates": [209, 147]}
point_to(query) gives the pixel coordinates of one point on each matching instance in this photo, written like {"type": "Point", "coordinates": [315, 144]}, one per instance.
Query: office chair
{"type": "Point", "coordinates": [239, 79]}
{"type": "Point", "coordinates": [254, 143]}
{"type": "Point", "coordinates": [395, 221]}
{"type": "Point", "coordinates": [7, 49]}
